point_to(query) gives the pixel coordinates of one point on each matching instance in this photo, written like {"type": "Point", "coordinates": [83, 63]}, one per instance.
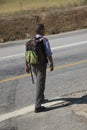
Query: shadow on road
{"type": "Point", "coordinates": [67, 102]}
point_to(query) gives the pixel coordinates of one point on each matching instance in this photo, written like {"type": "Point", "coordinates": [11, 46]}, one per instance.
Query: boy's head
{"type": "Point", "coordinates": [40, 29]}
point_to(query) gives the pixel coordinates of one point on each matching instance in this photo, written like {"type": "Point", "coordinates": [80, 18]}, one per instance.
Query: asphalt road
{"type": "Point", "coordinates": [69, 76]}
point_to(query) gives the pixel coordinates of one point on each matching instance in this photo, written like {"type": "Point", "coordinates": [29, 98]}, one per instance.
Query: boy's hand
{"type": "Point", "coordinates": [51, 67]}
{"type": "Point", "coordinates": [27, 69]}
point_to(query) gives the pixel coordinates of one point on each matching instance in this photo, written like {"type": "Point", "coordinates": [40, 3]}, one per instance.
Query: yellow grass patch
{"type": "Point", "coordinates": [15, 5]}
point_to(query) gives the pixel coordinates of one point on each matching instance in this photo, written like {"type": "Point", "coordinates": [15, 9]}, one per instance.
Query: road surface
{"type": "Point", "coordinates": [18, 93]}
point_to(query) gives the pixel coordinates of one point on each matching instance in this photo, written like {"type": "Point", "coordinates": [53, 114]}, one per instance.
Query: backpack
{"type": "Point", "coordinates": [35, 53]}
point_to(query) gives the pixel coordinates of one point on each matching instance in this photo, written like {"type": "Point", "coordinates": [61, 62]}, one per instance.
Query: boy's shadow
{"type": "Point", "coordinates": [67, 102]}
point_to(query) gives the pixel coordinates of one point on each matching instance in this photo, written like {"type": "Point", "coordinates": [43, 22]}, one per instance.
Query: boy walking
{"type": "Point", "coordinates": [40, 69]}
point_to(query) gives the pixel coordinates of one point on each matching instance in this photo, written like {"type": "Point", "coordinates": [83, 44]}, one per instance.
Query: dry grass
{"type": "Point", "coordinates": [21, 25]}
{"type": "Point", "coordinates": [66, 16]}
{"type": "Point", "coordinates": [16, 5]}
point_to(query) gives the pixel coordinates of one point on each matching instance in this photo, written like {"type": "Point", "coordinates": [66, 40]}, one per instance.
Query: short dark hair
{"type": "Point", "coordinates": [39, 27]}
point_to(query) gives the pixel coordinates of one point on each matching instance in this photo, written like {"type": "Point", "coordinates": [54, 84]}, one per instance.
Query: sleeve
{"type": "Point", "coordinates": [47, 47]}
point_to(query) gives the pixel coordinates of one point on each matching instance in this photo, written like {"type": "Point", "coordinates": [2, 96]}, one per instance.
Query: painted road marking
{"type": "Point", "coordinates": [57, 67]}
{"type": "Point", "coordinates": [71, 64]}
{"type": "Point", "coordinates": [69, 45]}
{"type": "Point", "coordinates": [54, 48]}
{"type": "Point", "coordinates": [11, 56]}
{"type": "Point", "coordinates": [14, 78]}
{"type": "Point", "coordinates": [29, 109]}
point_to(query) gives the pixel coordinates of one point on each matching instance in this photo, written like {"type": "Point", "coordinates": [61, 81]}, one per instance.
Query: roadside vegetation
{"type": "Point", "coordinates": [16, 5]}
{"type": "Point", "coordinates": [18, 17]}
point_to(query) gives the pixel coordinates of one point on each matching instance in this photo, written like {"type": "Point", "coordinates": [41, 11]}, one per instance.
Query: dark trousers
{"type": "Point", "coordinates": [40, 72]}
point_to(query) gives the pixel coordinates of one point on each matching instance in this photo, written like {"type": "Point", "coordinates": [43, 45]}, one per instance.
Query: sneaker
{"type": "Point", "coordinates": [44, 101]}
{"type": "Point", "coordinates": [40, 109]}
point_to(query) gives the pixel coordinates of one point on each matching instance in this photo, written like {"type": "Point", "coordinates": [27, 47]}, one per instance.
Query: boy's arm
{"type": "Point", "coordinates": [27, 68]}
{"type": "Point", "coordinates": [51, 66]}
{"type": "Point", "coordinates": [48, 53]}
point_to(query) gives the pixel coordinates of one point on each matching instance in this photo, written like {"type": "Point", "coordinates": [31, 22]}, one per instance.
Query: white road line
{"type": "Point", "coordinates": [54, 48]}
{"type": "Point", "coordinates": [28, 109]}
{"type": "Point", "coordinates": [70, 45]}
{"type": "Point", "coordinates": [11, 56]}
